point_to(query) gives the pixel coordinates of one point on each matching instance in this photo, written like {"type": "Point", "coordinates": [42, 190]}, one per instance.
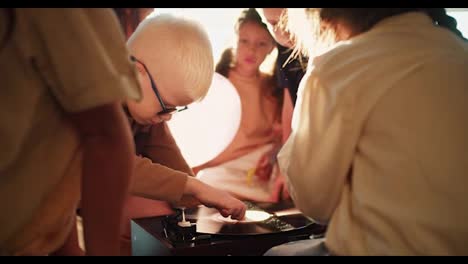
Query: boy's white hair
{"type": "Point", "coordinates": [177, 52]}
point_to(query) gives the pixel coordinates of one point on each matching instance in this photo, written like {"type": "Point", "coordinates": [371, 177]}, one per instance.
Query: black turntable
{"type": "Point", "coordinates": [265, 226]}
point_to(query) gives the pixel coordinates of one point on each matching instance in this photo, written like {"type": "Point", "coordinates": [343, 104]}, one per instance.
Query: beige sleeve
{"type": "Point", "coordinates": [317, 156]}
{"type": "Point", "coordinates": [87, 60]}
{"type": "Point", "coordinates": [164, 173]}
{"type": "Point", "coordinates": [158, 182]}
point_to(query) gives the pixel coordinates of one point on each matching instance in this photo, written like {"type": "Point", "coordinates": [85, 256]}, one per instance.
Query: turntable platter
{"type": "Point", "coordinates": [251, 216]}
{"type": "Point", "coordinates": [256, 222]}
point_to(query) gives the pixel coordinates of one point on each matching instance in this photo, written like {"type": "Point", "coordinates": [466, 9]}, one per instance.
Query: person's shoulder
{"type": "Point", "coordinates": [345, 56]}
{"type": "Point", "coordinates": [68, 18]}
{"type": "Point", "coordinates": [376, 50]}
{"type": "Point", "coordinates": [98, 14]}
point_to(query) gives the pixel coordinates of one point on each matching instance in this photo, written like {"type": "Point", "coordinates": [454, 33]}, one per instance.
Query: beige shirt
{"type": "Point", "coordinates": [379, 145]}
{"type": "Point", "coordinates": [160, 170]}
{"type": "Point", "coordinates": [57, 61]}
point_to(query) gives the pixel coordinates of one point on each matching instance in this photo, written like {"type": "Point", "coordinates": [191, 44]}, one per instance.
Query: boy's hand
{"type": "Point", "coordinates": [209, 196]}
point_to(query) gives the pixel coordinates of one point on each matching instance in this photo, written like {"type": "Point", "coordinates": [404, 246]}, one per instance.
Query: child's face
{"type": "Point", "coordinates": [253, 45]}
{"type": "Point", "coordinates": [147, 111]}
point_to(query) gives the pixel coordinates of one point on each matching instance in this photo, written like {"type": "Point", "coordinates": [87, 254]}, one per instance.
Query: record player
{"type": "Point", "coordinates": [208, 233]}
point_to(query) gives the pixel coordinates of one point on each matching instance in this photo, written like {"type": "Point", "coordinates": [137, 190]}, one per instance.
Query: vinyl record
{"type": "Point", "coordinates": [257, 222]}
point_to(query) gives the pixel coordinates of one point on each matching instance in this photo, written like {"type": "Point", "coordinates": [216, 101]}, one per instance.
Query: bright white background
{"type": "Point", "coordinates": [461, 15]}
{"type": "Point", "coordinates": [219, 23]}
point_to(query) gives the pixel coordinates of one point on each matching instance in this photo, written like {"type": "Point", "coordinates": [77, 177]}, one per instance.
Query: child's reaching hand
{"type": "Point", "coordinates": [209, 196]}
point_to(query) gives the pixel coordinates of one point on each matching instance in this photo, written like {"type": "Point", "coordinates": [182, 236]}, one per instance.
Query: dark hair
{"type": "Point", "coordinates": [363, 19]}
{"type": "Point", "coordinates": [10, 26]}
{"type": "Point", "coordinates": [225, 62]}
{"type": "Point", "coordinates": [250, 15]}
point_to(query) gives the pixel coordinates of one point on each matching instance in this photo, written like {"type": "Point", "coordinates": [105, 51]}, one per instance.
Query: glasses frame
{"type": "Point", "coordinates": [165, 110]}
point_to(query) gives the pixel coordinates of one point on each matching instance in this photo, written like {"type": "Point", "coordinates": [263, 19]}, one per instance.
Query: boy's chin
{"type": "Point", "coordinates": [150, 122]}
{"type": "Point", "coordinates": [146, 119]}
{"type": "Point", "coordinates": [155, 120]}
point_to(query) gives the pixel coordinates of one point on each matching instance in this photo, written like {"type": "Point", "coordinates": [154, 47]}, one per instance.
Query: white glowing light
{"type": "Point", "coordinates": [207, 127]}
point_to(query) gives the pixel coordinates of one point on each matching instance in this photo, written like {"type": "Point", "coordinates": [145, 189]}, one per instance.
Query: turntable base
{"type": "Point", "coordinates": [162, 236]}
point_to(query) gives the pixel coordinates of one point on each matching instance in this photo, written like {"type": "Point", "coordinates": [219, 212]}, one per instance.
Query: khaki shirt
{"type": "Point", "coordinates": [379, 146]}
{"type": "Point", "coordinates": [160, 170]}
{"type": "Point", "coordinates": [57, 61]}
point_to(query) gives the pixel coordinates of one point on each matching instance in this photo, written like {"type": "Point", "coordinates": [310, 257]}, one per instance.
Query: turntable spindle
{"type": "Point", "coordinates": [184, 223]}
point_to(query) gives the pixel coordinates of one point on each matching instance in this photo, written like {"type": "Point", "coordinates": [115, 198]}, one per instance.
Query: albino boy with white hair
{"type": "Point", "coordinates": [174, 60]}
